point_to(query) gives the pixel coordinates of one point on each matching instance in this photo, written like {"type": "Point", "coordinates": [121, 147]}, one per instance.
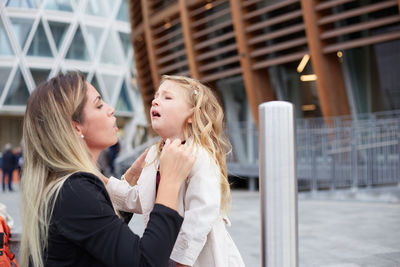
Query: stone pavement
{"type": "Point", "coordinates": [343, 228]}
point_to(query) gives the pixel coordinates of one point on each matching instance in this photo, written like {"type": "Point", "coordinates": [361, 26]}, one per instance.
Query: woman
{"type": "Point", "coordinates": [68, 217]}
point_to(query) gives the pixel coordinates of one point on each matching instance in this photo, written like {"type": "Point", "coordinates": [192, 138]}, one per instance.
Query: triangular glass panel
{"type": "Point", "coordinates": [110, 82]}
{"type": "Point", "coordinates": [93, 38]}
{"type": "Point", "coordinates": [21, 3]}
{"type": "Point", "coordinates": [123, 13]}
{"type": "Point", "coordinates": [58, 30]}
{"type": "Point", "coordinates": [22, 28]}
{"type": "Point", "coordinates": [5, 46]}
{"type": "Point", "coordinates": [85, 74]}
{"type": "Point", "coordinates": [4, 73]}
{"type": "Point", "coordinates": [110, 53]}
{"type": "Point", "coordinates": [110, 4]}
{"type": "Point", "coordinates": [18, 93]}
{"type": "Point", "coordinates": [78, 49]}
{"type": "Point", "coordinates": [125, 41]}
{"type": "Point", "coordinates": [40, 45]}
{"type": "Point", "coordinates": [96, 85]}
{"type": "Point", "coordinates": [123, 102]}
{"type": "Point", "coordinates": [97, 8]}
{"type": "Point", "coordinates": [40, 75]}
{"type": "Point", "coordinates": [61, 5]}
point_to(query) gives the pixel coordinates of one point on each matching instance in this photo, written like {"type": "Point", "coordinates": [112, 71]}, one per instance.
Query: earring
{"type": "Point", "coordinates": [82, 136]}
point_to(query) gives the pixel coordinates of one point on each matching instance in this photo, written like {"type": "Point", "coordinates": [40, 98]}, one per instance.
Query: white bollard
{"type": "Point", "coordinates": [278, 184]}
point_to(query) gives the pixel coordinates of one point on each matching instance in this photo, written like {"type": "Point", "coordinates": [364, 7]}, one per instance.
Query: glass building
{"type": "Point", "coordinates": [40, 38]}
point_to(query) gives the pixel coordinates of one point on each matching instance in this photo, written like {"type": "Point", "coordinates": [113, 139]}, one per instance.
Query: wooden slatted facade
{"type": "Point", "coordinates": [215, 39]}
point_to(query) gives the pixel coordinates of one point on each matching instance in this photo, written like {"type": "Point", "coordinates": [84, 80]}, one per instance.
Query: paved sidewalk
{"type": "Point", "coordinates": [335, 229]}
{"type": "Point", "coordinates": [332, 232]}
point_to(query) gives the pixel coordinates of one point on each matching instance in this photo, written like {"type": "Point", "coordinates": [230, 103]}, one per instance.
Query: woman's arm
{"type": "Point", "coordinates": [84, 215]}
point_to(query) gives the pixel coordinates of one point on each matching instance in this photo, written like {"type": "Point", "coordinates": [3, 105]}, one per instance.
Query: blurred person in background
{"type": "Point", "coordinates": [8, 165]}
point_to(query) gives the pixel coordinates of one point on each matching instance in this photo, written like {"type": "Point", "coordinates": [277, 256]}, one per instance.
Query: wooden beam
{"type": "Point", "coordinates": [143, 77]}
{"type": "Point", "coordinates": [399, 5]}
{"type": "Point", "coordinates": [330, 83]}
{"type": "Point", "coordinates": [165, 13]}
{"type": "Point", "coordinates": [149, 43]}
{"type": "Point", "coordinates": [257, 83]}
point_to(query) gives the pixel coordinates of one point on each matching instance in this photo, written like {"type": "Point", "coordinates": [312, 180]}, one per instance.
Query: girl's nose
{"type": "Point", "coordinates": [111, 110]}
{"type": "Point", "coordinates": [154, 102]}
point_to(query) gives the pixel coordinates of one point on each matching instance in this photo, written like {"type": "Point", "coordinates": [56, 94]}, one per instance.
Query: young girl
{"type": "Point", "coordinates": [185, 109]}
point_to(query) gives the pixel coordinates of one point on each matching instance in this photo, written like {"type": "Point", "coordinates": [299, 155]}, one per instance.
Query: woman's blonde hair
{"type": "Point", "coordinates": [53, 151]}
{"type": "Point", "coordinates": [206, 128]}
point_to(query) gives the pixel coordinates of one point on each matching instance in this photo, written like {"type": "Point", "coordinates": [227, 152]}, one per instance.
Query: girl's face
{"type": "Point", "coordinates": [99, 124]}
{"type": "Point", "coordinates": [170, 110]}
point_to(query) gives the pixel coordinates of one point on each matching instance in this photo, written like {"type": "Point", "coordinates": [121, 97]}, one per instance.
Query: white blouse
{"type": "Point", "coordinates": [203, 240]}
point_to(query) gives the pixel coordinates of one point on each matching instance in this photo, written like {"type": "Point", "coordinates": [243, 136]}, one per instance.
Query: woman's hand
{"type": "Point", "coordinates": [133, 173]}
{"type": "Point", "coordinates": [176, 161]}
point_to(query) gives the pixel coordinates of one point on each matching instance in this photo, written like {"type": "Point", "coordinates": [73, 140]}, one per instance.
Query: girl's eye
{"type": "Point", "coordinates": [100, 106]}
{"type": "Point", "coordinates": [168, 97]}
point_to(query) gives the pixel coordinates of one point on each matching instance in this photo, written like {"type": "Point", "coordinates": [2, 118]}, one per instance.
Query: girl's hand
{"type": "Point", "coordinates": [133, 173]}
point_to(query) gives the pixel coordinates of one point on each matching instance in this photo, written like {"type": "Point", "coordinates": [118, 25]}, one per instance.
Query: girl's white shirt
{"type": "Point", "coordinates": [203, 240]}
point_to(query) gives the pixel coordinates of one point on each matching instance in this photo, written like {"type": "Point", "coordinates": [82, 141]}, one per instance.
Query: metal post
{"type": "Point", "coordinates": [278, 185]}
{"type": "Point", "coordinates": [354, 158]}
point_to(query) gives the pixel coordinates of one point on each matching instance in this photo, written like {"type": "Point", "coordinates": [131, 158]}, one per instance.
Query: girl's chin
{"type": "Point", "coordinates": [163, 136]}
{"type": "Point", "coordinates": [162, 133]}
{"type": "Point", "coordinates": [156, 129]}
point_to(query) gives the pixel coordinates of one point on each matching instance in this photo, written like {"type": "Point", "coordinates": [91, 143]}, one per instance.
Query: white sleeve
{"type": "Point", "coordinates": [202, 209]}
{"type": "Point", "coordinates": [124, 196]}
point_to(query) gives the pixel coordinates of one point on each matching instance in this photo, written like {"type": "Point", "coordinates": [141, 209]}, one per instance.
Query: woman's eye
{"type": "Point", "coordinates": [100, 106]}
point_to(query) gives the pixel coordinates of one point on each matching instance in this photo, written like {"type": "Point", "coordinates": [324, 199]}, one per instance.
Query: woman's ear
{"type": "Point", "coordinates": [77, 127]}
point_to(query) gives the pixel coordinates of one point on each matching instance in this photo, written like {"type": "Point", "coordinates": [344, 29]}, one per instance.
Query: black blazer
{"type": "Point", "coordinates": [85, 231]}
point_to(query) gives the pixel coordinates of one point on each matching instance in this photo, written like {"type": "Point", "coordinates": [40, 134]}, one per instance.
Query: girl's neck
{"type": "Point", "coordinates": [172, 138]}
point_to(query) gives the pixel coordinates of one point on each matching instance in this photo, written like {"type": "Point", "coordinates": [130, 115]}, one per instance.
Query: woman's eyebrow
{"type": "Point", "coordinates": [97, 99]}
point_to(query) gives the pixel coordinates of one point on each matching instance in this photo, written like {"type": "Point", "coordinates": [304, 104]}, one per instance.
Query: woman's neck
{"type": "Point", "coordinates": [95, 156]}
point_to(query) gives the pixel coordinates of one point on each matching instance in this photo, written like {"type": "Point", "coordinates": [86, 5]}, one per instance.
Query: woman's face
{"type": "Point", "coordinates": [98, 128]}
{"type": "Point", "coordinates": [170, 110]}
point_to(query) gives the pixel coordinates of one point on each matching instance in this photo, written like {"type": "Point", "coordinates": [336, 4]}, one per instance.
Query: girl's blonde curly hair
{"type": "Point", "coordinates": [207, 127]}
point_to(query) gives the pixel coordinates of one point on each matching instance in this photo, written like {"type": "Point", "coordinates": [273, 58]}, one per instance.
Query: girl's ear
{"type": "Point", "coordinates": [190, 119]}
